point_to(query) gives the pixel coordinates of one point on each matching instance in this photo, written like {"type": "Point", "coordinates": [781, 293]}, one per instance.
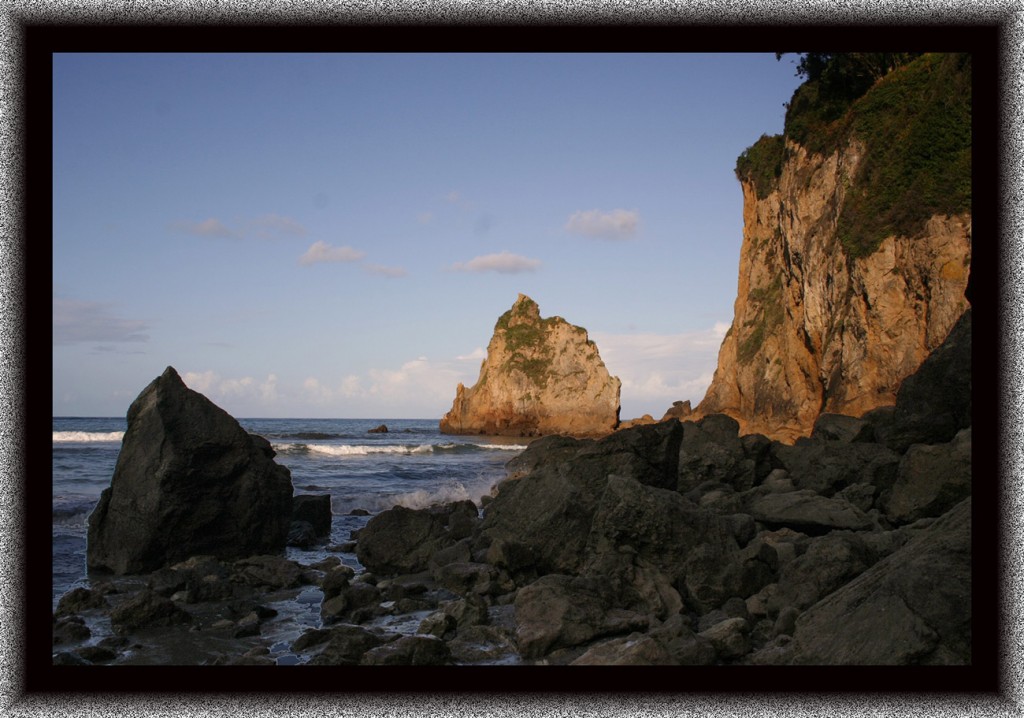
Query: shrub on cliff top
{"type": "Point", "coordinates": [913, 114]}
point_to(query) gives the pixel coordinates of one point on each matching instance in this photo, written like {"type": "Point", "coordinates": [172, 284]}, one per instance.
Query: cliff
{"type": "Point", "coordinates": [856, 250]}
{"type": "Point", "coordinates": [541, 376]}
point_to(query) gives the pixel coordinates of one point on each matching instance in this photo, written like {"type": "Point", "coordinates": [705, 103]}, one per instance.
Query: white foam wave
{"type": "Point", "coordinates": [397, 449]}
{"type": "Point", "coordinates": [86, 436]}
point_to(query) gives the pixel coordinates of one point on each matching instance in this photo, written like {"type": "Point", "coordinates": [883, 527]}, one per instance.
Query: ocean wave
{"type": "Point", "coordinates": [343, 450]}
{"type": "Point", "coordinates": [82, 437]}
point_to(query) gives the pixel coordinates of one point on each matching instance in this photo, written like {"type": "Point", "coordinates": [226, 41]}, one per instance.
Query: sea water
{"type": "Point", "coordinates": [411, 465]}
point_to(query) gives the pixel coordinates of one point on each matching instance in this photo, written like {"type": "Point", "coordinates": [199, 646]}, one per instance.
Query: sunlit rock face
{"type": "Point", "coordinates": [816, 330]}
{"type": "Point", "coordinates": [541, 376]}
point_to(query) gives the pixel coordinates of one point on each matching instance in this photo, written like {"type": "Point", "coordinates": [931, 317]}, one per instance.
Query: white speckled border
{"type": "Point", "coordinates": [179, 701]}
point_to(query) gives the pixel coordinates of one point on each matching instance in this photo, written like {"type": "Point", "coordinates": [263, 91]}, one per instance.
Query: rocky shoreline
{"type": "Point", "coordinates": [675, 543]}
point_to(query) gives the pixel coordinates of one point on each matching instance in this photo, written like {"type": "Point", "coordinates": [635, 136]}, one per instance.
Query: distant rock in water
{"type": "Point", "coordinates": [189, 480]}
{"type": "Point", "coordinates": [541, 376]}
{"type": "Point", "coordinates": [382, 429]}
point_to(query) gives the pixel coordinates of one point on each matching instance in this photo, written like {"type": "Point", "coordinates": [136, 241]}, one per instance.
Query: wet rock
{"type": "Point", "coordinates": [147, 609]}
{"type": "Point", "coordinates": [315, 509]}
{"type": "Point", "coordinates": [345, 646]}
{"type": "Point", "coordinates": [80, 599]}
{"type": "Point", "coordinates": [70, 629]}
{"type": "Point", "coordinates": [382, 429]}
{"type": "Point", "coordinates": [273, 572]}
{"type": "Point", "coordinates": [401, 540]}
{"type": "Point", "coordinates": [189, 480]}
{"type": "Point", "coordinates": [420, 650]}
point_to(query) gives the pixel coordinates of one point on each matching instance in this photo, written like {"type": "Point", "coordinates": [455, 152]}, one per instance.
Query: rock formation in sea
{"type": "Point", "coordinates": [189, 480]}
{"type": "Point", "coordinates": [856, 250]}
{"type": "Point", "coordinates": [541, 376]}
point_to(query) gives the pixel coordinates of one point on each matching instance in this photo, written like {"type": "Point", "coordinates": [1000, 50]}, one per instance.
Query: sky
{"type": "Point", "coordinates": [335, 235]}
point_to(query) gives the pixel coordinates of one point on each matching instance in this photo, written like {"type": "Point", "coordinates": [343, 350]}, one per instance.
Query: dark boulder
{"type": "Point", "coordinates": [559, 611]}
{"type": "Point", "coordinates": [146, 610]}
{"type": "Point", "coordinates": [382, 429]}
{"type": "Point", "coordinates": [934, 403]}
{"type": "Point", "coordinates": [807, 512]}
{"type": "Point", "coordinates": [911, 608]}
{"type": "Point", "coordinates": [408, 651]}
{"type": "Point", "coordinates": [189, 480]}
{"type": "Point", "coordinates": [932, 479]}
{"type": "Point", "coordinates": [344, 645]}
{"type": "Point", "coordinates": [402, 541]}
{"type": "Point", "coordinates": [314, 509]}
{"type": "Point", "coordinates": [827, 467]}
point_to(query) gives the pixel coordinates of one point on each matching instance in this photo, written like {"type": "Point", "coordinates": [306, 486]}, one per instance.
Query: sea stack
{"type": "Point", "coordinates": [189, 480]}
{"type": "Point", "coordinates": [540, 377]}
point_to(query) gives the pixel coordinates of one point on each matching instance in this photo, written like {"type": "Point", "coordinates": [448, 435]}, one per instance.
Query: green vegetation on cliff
{"type": "Point", "coordinates": [913, 115]}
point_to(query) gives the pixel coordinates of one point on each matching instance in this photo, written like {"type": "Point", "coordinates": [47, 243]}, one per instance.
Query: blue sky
{"type": "Point", "coordinates": [334, 235]}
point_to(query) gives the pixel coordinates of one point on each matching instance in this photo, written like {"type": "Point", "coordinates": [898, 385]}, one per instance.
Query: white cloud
{"type": "Point", "coordinates": [503, 262]}
{"type": "Point", "coordinates": [320, 251]}
{"type": "Point", "coordinates": [390, 272]}
{"type": "Point", "coordinates": [211, 227]}
{"type": "Point", "coordinates": [267, 226]}
{"type": "Point", "coordinates": [617, 224]}
{"type": "Point", "coordinates": [76, 321]}
{"type": "Point", "coordinates": [234, 390]}
{"type": "Point", "coordinates": [658, 369]}
{"type": "Point", "coordinates": [272, 226]}
{"type": "Point", "coordinates": [477, 354]}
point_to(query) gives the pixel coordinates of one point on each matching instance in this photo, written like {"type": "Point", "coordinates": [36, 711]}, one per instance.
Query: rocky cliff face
{"type": "Point", "coordinates": [541, 376]}
{"type": "Point", "coordinates": [819, 328]}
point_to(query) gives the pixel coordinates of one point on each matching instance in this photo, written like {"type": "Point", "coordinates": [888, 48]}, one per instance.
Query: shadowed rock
{"type": "Point", "coordinates": [189, 480]}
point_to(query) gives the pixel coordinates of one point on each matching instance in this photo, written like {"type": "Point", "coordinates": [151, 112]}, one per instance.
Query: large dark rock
{"type": "Point", "coordinates": [934, 403]}
{"type": "Point", "coordinates": [932, 479]}
{"type": "Point", "coordinates": [189, 480]}
{"type": "Point", "coordinates": [911, 608]}
{"type": "Point", "coordinates": [314, 509]}
{"type": "Point", "coordinates": [559, 611]}
{"type": "Point", "coordinates": [401, 540]}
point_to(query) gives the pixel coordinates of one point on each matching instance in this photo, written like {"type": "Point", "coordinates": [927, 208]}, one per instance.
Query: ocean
{"type": "Point", "coordinates": [412, 465]}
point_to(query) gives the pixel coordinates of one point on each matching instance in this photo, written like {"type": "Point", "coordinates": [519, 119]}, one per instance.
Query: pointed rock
{"type": "Point", "coordinates": [541, 376]}
{"type": "Point", "coordinates": [189, 480]}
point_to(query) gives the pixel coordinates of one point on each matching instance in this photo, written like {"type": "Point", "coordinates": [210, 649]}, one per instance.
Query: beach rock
{"type": "Point", "coordinates": [932, 479]}
{"type": "Point", "coordinates": [315, 509]}
{"type": "Point", "coordinates": [828, 563]}
{"type": "Point", "coordinates": [808, 512]}
{"type": "Point", "coordinates": [345, 645]}
{"type": "Point", "coordinates": [273, 572]}
{"type": "Point", "coordinates": [839, 427]}
{"type": "Point", "coordinates": [678, 410]}
{"type": "Point", "coordinates": [559, 611]}
{"type": "Point", "coordinates": [80, 599]}
{"type": "Point", "coordinates": [541, 376]}
{"type": "Point", "coordinates": [145, 610]}
{"type": "Point", "coordinates": [189, 480]}
{"type": "Point", "coordinates": [934, 403]}
{"type": "Point", "coordinates": [418, 650]}
{"type": "Point", "coordinates": [70, 629]}
{"type": "Point", "coordinates": [729, 638]}
{"type": "Point", "coordinates": [827, 467]}
{"type": "Point", "coordinates": [402, 541]}
{"type": "Point", "coordinates": [711, 451]}
{"type": "Point", "coordinates": [382, 429]}
{"type": "Point", "coordinates": [636, 649]}
{"type": "Point", "coordinates": [911, 608]}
